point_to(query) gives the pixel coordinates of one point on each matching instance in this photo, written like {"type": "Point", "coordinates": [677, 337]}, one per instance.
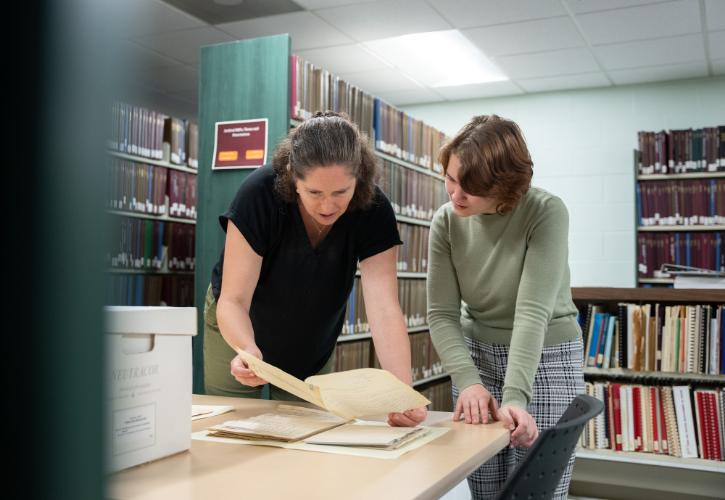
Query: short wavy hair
{"type": "Point", "coordinates": [326, 139]}
{"type": "Point", "coordinates": [495, 161]}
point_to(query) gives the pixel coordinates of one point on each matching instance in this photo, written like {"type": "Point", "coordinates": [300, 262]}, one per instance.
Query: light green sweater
{"type": "Point", "coordinates": [501, 279]}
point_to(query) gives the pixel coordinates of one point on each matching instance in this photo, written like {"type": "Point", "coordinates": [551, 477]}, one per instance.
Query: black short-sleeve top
{"type": "Point", "coordinates": [298, 306]}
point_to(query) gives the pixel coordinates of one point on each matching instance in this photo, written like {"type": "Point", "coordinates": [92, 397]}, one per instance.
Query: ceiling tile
{"type": "Point", "coordinates": [715, 14]}
{"type": "Point", "coordinates": [153, 17]}
{"type": "Point", "coordinates": [583, 80]}
{"type": "Point", "coordinates": [227, 11]}
{"type": "Point", "coordinates": [171, 79]}
{"type": "Point", "coordinates": [718, 66]}
{"type": "Point", "coordinates": [380, 80]}
{"type": "Point", "coordinates": [659, 73]}
{"type": "Point", "coordinates": [540, 35]}
{"type": "Point", "coordinates": [405, 97]}
{"type": "Point", "coordinates": [364, 22]}
{"type": "Point", "coordinates": [342, 59]}
{"type": "Point", "coordinates": [479, 90]}
{"type": "Point", "coordinates": [306, 30]}
{"type": "Point", "coordinates": [582, 6]}
{"type": "Point", "coordinates": [640, 23]}
{"type": "Point", "coordinates": [321, 4]}
{"type": "Point", "coordinates": [681, 49]}
{"type": "Point", "coordinates": [717, 44]}
{"type": "Point", "coordinates": [184, 45]}
{"type": "Point", "coordinates": [472, 13]}
{"type": "Point", "coordinates": [560, 62]}
{"type": "Point", "coordinates": [133, 57]}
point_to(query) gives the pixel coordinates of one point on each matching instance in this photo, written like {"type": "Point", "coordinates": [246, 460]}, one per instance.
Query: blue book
{"type": "Point", "coordinates": [722, 341]}
{"type": "Point", "coordinates": [592, 357]}
{"type": "Point", "coordinates": [376, 122]}
{"type": "Point", "coordinates": [611, 324]}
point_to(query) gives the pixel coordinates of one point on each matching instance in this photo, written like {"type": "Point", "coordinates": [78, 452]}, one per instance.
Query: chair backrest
{"type": "Point", "coordinates": [539, 473]}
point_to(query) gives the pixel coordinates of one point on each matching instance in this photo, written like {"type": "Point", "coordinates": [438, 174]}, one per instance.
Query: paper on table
{"type": "Point", "coordinates": [206, 411]}
{"type": "Point", "coordinates": [287, 423]}
{"type": "Point", "coordinates": [433, 433]}
{"type": "Point", "coordinates": [350, 394]}
{"type": "Point", "coordinates": [371, 436]}
{"type": "Point", "coordinates": [283, 380]}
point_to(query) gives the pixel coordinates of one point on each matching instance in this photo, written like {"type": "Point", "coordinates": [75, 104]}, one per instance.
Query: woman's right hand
{"type": "Point", "coordinates": [474, 404]}
{"type": "Point", "coordinates": [242, 373]}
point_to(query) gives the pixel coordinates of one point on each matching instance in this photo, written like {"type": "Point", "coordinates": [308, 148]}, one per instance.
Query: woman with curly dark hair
{"type": "Point", "coordinates": [295, 233]}
{"type": "Point", "coordinates": [499, 301]}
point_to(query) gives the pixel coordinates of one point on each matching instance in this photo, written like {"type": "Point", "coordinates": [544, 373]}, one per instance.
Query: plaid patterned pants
{"type": "Point", "coordinates": [557, 381]}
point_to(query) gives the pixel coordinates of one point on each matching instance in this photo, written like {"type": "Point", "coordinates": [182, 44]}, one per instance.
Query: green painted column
{"type": "Point", "coordinates": [238, 80]}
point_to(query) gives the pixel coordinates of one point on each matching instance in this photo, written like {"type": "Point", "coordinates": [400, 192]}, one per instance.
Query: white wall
{"type": "Point", "coordinates": [582, 146]}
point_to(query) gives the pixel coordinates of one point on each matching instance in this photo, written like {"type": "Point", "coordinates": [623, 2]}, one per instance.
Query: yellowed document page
{"type": "Point", "coordinates": [350, 394]}
{"type": "Point", "coordinates": [287, 423]}
{"type": "Point", "coordinates": [365, 392]}
{"type": "Point", "coordinates": [281, 379]}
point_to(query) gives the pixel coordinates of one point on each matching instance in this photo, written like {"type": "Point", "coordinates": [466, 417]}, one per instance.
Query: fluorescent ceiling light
{"type": "Point", "coordinates": [437, 58]}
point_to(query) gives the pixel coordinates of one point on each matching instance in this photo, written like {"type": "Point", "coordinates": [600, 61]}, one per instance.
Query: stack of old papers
{"type": "Point", "coordinates": [295, 423]}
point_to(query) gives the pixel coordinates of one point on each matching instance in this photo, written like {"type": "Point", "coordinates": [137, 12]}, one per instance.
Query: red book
{"type": "Point", "coordinates": [637, 416]}
{"type": "Point", "coordinates": [713, 430]}
{"type": "Point", "coordinates": [655, 420]}
{"type": "Point", "coordinates": [704, 446]}
{"type": "Point", "coordinates": [617, 414]}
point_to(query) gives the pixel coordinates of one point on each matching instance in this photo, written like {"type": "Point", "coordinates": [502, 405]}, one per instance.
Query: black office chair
{"type": "Point", "coordinates": [539, 473]}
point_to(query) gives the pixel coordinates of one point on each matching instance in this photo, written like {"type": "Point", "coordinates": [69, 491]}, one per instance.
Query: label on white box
{"type": "Point", "coordinates": [134, 428]}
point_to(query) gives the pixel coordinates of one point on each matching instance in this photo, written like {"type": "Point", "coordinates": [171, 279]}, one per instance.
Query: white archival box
{"type": "Point", "coordinates": [148, 382]}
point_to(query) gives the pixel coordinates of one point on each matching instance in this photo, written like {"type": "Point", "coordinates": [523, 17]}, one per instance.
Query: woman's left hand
{"type": "Point", "coordinates": [409, 418]}
{"type": "Point", "coordinates": [523, 425]}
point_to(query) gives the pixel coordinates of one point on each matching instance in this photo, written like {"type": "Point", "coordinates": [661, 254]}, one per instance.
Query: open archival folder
{"type": "Point", "coordinates": [287, 423]}
{"type": "Point", "coordinates": [295, 423]}
{"type": "Point", "coordinates": [349, 394]}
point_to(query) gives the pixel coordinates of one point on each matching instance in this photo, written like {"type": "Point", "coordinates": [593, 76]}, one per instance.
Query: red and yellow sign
{"type": "Point", "coordinates": [240, 144]}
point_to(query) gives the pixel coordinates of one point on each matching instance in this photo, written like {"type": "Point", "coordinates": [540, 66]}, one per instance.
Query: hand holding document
{"type": "Point", "coordinates": [350, 394]}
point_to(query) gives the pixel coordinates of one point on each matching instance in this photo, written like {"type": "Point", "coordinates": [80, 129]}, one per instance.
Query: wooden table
{"type": "Point", "coordinates": [230, 471]}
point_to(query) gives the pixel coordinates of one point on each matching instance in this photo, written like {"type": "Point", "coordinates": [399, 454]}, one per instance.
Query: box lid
{"type": "Point", "coordinates": [150, 320]}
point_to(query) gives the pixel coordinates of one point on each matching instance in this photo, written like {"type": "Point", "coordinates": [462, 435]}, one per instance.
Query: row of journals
{"type": "Point", "coordinates": [152, 245]}
{"type": "Point", "coordinates": [412, 194]}
{"type": "Point", "coordinates": [689, 202]}
{"type": "Point", "coordinates": [703, 250]}
{"type": "Point", "coordinates": [139, 131]}
{"type": "Point", "coordinates": [361, 354]}
{"type": "Point", "coordinates": [669, 420]}
{"type": "Point", "coordinates": [393, 131]}
{"type": "Point", "coordinates": [656, 338]}
{"type": "Point", "coordinates": [678, 151]}
{"type": "Point", "coordinates": [149, 189]}
{"type": "Point", "coordinates": [413, 255]}
{"type": "Point", "coordinates": [150, 290]}
{"type": "Point", "coordinates": [411, 294]}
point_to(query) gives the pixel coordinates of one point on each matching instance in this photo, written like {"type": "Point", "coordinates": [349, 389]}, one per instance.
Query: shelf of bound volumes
{"type": "Point", "coordinates": [151, 198]}
{"type": "Point", "coordinates": [680, 201]}
{"type": "Point", "coordinates": [656, 358]}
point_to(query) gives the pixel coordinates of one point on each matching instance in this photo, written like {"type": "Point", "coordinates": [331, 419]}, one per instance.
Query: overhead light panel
{"type": "Point", "coordinates": [437, 58]}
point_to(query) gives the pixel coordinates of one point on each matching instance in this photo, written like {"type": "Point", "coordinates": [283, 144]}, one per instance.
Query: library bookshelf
{"type": "Point", "coordinates": [603, 472]}
{"type": "Point", "coordinates": [680, 202]}
{"type": "Point", "coordinates": [151, 205]}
